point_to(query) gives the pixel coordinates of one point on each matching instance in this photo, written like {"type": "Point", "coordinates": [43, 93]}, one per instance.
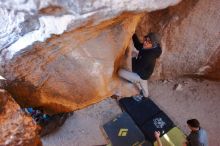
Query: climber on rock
{"type": "Point", "coordinates": [143, 63]}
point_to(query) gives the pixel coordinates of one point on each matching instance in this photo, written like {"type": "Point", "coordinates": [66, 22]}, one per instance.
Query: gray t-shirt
{"type": "Point", "coordinates": [198, 138]}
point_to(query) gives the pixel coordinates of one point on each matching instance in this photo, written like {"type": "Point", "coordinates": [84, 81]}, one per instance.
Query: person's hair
{"type": "Point", "coordinates": [150, 36]}
{"type": "Point", "coordinates": [193, 123]}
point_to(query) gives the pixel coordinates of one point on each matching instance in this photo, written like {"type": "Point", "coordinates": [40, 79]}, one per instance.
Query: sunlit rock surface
{"type": "Point", "coordinates": [16, 128]}
{"type": "Point", "coordinates": [72, 70]}
{"type": "Point", "coordinates": [64, 55]}
{"type": "Point", "coordinates": [190, 36]}
{"type": "Point", "coordinates": [23, 22]}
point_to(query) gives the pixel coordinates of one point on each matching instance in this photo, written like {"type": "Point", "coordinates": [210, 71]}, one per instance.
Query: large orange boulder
{"type": "Point", "coordinates": [63, 56]}
{"type": "Point", "coordinates": [72, 70]}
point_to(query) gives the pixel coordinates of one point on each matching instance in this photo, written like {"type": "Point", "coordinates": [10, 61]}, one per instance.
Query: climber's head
{"type": "Point", "coordinates": [151, 40]}
{"type": "Point", "coordinates": [147, 42]}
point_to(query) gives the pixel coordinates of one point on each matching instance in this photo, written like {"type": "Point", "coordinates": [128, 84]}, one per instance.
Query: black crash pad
{"type": "Point", "coordinates": [140, 111]}
{"type": "Point", "coordinates": [122, 131]}
{"type": "Point", "coordinates": [160, 122]}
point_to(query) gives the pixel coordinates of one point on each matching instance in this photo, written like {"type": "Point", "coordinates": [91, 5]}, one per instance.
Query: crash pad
{"type": "Point", "coordinates": [159, 122]}
{"type": "Point", "coordinates": [174, 137]}
{"type": "Point", "coordinates": [140, 111]}
{"type": "Point", "coordinates": [122, 131]}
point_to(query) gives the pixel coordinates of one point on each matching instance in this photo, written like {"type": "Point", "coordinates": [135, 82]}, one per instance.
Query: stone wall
{"type": "Point", "coordinates": [65, 56]}
{"type": "Point", "coordinates": [16, 128]}
{"type": "Point", "coordinates": [189, 36]}
{"type": "Point", "coordinates": [72, 70]}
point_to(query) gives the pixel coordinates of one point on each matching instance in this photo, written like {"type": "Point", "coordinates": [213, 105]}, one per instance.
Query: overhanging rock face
{"type": "Point", "coordinates": [72, 70]}
{"type": "Point", "coordinates": [24, 22]}
{"type": "Point", "coordinates": [79, 49]}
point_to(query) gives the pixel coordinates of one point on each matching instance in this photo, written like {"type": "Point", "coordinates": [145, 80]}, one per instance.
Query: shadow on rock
{"type": "Point", "coordinates": [48, 123]}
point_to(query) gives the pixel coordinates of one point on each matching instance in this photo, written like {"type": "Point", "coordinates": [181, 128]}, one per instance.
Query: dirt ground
{"type": "Point", "coordinates": [181, 99]}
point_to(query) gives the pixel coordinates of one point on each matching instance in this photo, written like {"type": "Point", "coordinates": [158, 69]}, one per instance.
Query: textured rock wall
{"type": "Point", "coordinates": [77, 66]}
{"type": "Point", "coordinates": [16, 128]}
{"type": "Point", "coordinates": [72, 70]}
{"type": "Point", "coordinates": [25, 22]}
{"type": "Point", "coordinates": [190, 35]}
{"type": "Point", "coordinates": [64, 55]}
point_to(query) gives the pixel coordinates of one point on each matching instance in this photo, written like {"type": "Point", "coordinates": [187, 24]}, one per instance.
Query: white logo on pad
{"type": "Point", "coordinates": [159, 123]}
